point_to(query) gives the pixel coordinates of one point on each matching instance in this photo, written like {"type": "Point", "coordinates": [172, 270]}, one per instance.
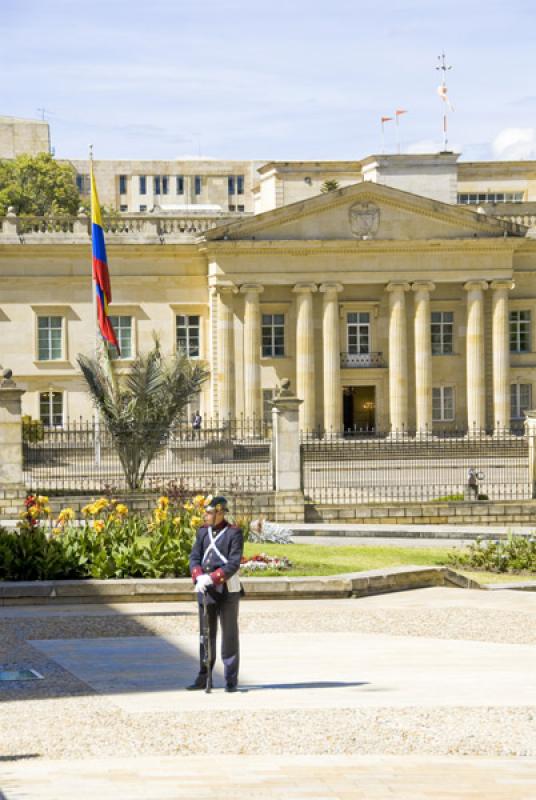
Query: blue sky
{"type": "Point", "coordinates": [282, 80]}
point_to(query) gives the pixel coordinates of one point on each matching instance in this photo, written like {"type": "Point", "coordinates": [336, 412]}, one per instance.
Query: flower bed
{"type": "Point", "coordinates": [260, 562]}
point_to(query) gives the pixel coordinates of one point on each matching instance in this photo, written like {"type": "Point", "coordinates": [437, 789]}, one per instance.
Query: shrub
{"type": "Point", "coordinates": [514, 554]}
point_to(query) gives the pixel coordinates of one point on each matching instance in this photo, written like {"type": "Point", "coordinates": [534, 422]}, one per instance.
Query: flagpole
{"type": "Point", "coordinates": [96, 415]}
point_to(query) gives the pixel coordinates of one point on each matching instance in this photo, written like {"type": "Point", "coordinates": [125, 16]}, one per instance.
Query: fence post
{"type": "Point", "coordinates": [289, 502]}
{"type": "Point", "coordinates": [11, 483]}
{"type": "Point", "coordinates": [530, 432]}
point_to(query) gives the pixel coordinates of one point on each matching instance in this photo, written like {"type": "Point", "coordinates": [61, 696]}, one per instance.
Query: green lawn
{"type": "Point", "coordinates": [310, 559]}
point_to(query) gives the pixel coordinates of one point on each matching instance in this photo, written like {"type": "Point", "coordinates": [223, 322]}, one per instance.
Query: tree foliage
{"type": "Point", "coordinates": [329, 186]}
{"type": "Point", "coordinates": [38, 185]}
{"type": "Point", "coordinates": [139, 408]}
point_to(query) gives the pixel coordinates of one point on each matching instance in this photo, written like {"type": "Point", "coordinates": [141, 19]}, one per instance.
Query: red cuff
{"type": "Point", "coordinates": [196, 572]}
{"type": "Point", "coordinates": [218, 577]}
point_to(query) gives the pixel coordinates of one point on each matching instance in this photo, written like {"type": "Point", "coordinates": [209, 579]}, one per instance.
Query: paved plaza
{"type": "Point", "coordinates": [421, 694]}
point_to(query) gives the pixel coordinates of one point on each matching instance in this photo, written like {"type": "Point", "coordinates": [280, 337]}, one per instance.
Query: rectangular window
{"type": "Point", "coordinates": [51, 408]}
{"type": "Point", "coordinates": [180, 184]}
{"type": "Point", "coordinates": [122, 184]}
{"type": "Point", "coordinates": [521, 399]}
{"type": "Point", "coordinates": [232, 207]}
{"type": "Point", "coordinates": [143, 184]}
{"type": "Point", "coordinates": [188, 328]}
{"type": "Point", "coordinates": [240, 208]}
{"type": "Point", "coordinates": [490, 197]}
{"type": "Point", "coordinates": [123, 330]}
{"type": "Point", "coordinates": [442, 330]}
{"type": "Point", "coordinates": [230, 184]}
{"type": "Point", "coordinates": [240, 184]}
{"type": "Point", "coordinates": [123, 208]}
{"type": "Point", "coordinates": [197, 184]}
{"type": "Point", "coordinates": [165, 184]}
{"type": "Point", "coordinates": [520, 332]}
{"type": "Point", "coordinates": [156, 184]}
{"type": "Point", "coordinates": [143, 208]}
{"type": "Point", "coordinates": [358, 332]}
{"type": "Point", "coordinates": [443, 403]}
{"type": "Point", "coordinates": [273, 335]}
{"type": "Point", "coordinates": [82, 184]}
{"type": "Point", "coordinates": [50, 335]}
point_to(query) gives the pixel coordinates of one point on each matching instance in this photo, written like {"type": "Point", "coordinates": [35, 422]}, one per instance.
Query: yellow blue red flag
{"type": "Point", "coordinates": [101, 275]}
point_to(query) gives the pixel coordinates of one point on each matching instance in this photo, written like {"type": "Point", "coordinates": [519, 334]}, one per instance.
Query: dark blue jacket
{"type": "Point", "coordinates": [230, 545]}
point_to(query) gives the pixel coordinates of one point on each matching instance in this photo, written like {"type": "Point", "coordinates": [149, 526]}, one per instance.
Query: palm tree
{"type": "Point", "coordinates": [329, 186]}
{"type": "Point", "coordinates": [139, 409]}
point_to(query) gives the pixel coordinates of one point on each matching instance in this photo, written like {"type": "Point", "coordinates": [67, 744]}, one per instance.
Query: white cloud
{"type": "Point", "coordinates": [515, 144]}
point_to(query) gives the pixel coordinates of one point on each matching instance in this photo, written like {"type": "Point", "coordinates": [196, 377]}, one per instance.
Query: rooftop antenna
{"type": "Point", "coordinates": [442, 91]}
{"type": "Point", "coordinates": [43, 113]}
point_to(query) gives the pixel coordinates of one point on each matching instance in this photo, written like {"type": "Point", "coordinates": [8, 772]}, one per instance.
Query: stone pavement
{"type": "Point", "coordinates": [422, 694]}
{"type": "Point", "coordinates": [254, 778]}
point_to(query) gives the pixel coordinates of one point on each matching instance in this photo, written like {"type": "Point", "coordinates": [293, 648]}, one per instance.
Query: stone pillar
{"type": "Point", "coordinates": [226, 352]}
{"type": "Point", "coordinates": [501, 355]}
{"type": "Point", "coordinates": [476, 380]}
{"type": "Point", "coordinates": [252, 351]}
{"type": "Point", "coordinates": [286, 459]}
{"type": "Point", "coordinates": [332, 358]}
{"type": "Point", "coordinates": [398, 358]}
{"type": "Point", "coordinates": [530, 433]}
{"type": "Point", "coordinates": [305, 354]}
{"type": "Point", "coordinates": [423, 357]}
{"type": "Point", "coordinates": [11, 482]}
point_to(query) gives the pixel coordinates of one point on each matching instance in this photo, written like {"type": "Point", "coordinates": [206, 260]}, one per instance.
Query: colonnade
{"type": "Point", "coordinates": [399, 399]}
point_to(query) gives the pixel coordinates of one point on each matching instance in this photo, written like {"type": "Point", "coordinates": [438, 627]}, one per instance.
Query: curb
{"type": "Point", "coordinates": [134, 590]}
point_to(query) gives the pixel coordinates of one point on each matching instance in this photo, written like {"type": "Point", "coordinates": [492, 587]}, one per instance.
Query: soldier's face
{"type": "Point", "coordinates": [213, 517]}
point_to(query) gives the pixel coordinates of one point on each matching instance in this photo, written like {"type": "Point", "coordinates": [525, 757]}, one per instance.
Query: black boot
{"type": "Point", "coordinates": [198, 685]}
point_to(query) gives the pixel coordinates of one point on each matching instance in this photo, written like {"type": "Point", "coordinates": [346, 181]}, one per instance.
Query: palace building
{"type": "Point", "coordinates": [403, 299]}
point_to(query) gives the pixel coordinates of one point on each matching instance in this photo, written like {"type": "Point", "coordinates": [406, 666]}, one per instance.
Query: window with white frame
{"type": "Point", "coordinates": [122, 326]}
{"type": "Point", "coordinates": [442, 332]}
{"type": "Point", "coordinates": [443, 404]}
{"type": "Point", "coordinates": [520, 399]}
{"type": "Point", "coordinates": [188, 334]}
{"type": "Point", "coordinates": [475, 198]}
{"type": "Point", "coordinates": [358, 332]}
{"type": "Point", "coordinates": [179, 184]}
{"type": "Point", "coordinates": [50, 338]}
{"type": "Point", "coordinates": [273, 335]}
{"type": "Point", "coordinates": [51, 408]}
{"type": "Point", "coordinates": [520, 331]}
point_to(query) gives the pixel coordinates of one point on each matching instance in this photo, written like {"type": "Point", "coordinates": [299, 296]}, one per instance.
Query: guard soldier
{"type": "Point", "coordinates": [214, 564]}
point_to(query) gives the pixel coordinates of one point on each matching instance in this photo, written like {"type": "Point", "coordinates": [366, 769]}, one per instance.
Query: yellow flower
{"type": "Point", "coordinates": [199, 500]}
{"type": "Point", "coordinates": [56, 531]}
{"type": "Point", "coordinates": [163, 501]}
{"type": "Point", "coordinates": [99, 525]}
{"type": "Point", "coordinates": [47, 510]}
{"type": "Point", "coordinates": [188, 507]}
{"type": "Point", "coordinates": [121, 509]}
{"type": "Point", "coordinates": [176, 520]}
{"type": "Point", "coordinates": [66, 514]}
{"type": "Point", "coordinates": [34, 511]}
{"type": "Point", "coordinates": [195, 521]}
{"type": "Point", "coordinates": [86, 511]}
{"type": "Point", "coordinates": [42, 499]}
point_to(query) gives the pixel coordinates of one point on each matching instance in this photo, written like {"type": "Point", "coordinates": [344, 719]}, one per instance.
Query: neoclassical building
{"type": "Point", "coordinates": [386, 302]}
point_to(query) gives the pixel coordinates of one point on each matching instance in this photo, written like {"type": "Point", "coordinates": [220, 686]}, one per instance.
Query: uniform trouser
{"type": "Point", "coordinates": [226, 609]}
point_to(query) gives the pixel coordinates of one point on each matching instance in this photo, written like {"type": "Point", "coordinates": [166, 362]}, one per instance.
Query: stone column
{"type": "Point", "coordinates": [226, 352]}
{"type": "Point", "coordinates": [11, 480]}
{"type": "Point", "coordinates": [252, 351]}
{"type": "Point", "coordinates": [476, 381]}
{"type": "Point", "coordinates": [332, 358]}
{"type": "Point", "coordinates": [305, 354]}
{"type": "Point", "coordinates": [286, 457]}
{"type": "Point", "coordinates": [501, 355]}
{"type": "Point", "coordinates": [530, 433]}
{"type": "Point", "coordinates": [398, 358]}
{"type": "Point", "coordinates": [423, 357]}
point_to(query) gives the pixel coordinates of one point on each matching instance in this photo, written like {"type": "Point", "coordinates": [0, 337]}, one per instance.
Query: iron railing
{"type": "Point", "coordinates": [405, 467]}
{"type": "Point", "coordinates": [361, 360]}
{"type": "Point", "coordinates": [231, 456]}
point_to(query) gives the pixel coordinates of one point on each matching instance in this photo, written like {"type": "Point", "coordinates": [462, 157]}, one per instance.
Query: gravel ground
{"type": "Point", "coordinates": [65, 718]}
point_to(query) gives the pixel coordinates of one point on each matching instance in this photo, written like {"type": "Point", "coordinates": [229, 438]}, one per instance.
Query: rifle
{"type": "Point", "coordinates": [207, 645]}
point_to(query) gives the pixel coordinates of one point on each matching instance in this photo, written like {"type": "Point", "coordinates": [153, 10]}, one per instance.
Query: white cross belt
{"type": "Point", "coordinates": [212, 545]}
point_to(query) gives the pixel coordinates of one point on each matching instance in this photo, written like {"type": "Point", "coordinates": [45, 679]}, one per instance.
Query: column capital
{"type": "Point", "coordinates": [248, 288]}
{"type": "Point", "coordinates": [472, 286]}
{"type": "Point", "coordinates": [226, 288]}
{"type": "Point", "coordinates": [331, 287]}
{"type": "Point", "coordinates": [397, 286]}
{"type": "Point", "coordinates": [502, 284]}
{"type": "Point", "coordinates": [423, 286]}
{"type": "Point", "coordinates": [305, 287]}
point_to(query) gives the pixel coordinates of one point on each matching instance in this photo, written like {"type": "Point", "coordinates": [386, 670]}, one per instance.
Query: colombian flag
{"type": "Point", "coordinates": [101, 276]}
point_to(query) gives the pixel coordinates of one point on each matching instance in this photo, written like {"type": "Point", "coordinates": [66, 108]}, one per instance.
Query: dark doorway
{"type": "Point", "coordinates": [359, 408]}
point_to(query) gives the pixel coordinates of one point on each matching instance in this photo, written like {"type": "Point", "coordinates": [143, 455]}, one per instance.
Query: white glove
{"type": "Point", "coordinates": [203, 582]}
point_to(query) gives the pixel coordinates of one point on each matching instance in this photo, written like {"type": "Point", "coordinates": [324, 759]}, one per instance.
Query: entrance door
{"type": "Point", "coordinates": [359, 408]}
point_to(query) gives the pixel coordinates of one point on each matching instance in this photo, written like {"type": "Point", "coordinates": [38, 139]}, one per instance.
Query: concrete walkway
{"type": "Point", "coordinates": [396, 531]}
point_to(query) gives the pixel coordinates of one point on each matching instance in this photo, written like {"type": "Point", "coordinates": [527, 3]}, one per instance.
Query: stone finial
{"type": "Point", "coordinates": [11, 212]}
{"type": "Point", "coordinates": [283, 390]}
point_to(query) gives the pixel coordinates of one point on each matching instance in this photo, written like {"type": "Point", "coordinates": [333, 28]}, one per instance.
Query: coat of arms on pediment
{"type": "Point", "coordinates": [364, 219]}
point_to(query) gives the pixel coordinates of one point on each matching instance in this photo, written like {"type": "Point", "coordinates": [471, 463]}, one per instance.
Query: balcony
{"type": "Point", "coordinates": [362, 360]}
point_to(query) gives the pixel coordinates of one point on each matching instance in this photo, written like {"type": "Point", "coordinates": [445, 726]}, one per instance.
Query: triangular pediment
{"type": "Point", "coordinates": [366, 211]}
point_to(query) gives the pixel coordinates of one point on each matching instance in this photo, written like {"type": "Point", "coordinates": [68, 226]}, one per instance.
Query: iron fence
{"type": "Point", "coordinates": [231, 456]}
{"type": "Point", "coordinates": [405, 467]}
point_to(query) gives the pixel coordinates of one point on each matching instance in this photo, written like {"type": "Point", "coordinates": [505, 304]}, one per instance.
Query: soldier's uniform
{"type": "Point", "coordinates": [217, 552]}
